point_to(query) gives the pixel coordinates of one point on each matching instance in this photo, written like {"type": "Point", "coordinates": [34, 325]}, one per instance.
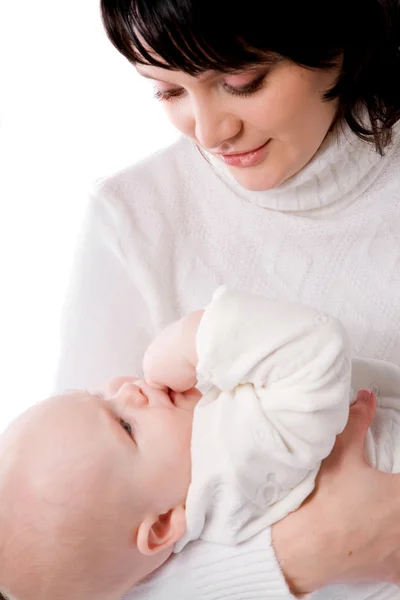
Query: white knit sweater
{"type": "Point", "coordinates": [161, 236]}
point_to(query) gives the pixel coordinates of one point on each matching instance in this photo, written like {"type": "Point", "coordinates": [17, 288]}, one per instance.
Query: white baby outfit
{"type": "Point", "coordinates": [282, 383]}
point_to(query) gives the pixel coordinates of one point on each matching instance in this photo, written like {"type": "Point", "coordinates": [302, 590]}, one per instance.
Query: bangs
{"type": "Point", "coordinates": [186, 37]}
{"type": "Point", "coordinates": [195, 36]}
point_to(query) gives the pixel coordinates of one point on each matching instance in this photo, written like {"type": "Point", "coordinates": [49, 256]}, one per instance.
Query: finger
{"type": "Point", "coordinates": [192, 395]}
{"type": "Point", "coordinates": [154, 384]}
{"type": "Point", "coordinates": [360, 417]}
{"type": "Point", "coordinates": [115, 384]}
{"type": "Point", "coordinates": [348, 451]}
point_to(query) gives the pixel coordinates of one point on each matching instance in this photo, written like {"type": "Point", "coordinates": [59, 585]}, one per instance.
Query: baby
{"type": "Point", "coordinates": [95, 493]}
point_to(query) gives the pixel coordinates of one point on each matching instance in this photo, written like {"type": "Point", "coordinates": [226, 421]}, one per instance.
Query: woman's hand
{"type": "Point", "coordinates": [348, 530]}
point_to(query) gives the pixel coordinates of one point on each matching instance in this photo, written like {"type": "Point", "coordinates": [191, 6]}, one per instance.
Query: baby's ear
{"type": "Point", "coordinates": [158, 533]}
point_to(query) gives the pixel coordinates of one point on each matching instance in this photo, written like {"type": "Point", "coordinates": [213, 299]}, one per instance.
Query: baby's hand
{"type": "Point", "coordinates": [171, 359]}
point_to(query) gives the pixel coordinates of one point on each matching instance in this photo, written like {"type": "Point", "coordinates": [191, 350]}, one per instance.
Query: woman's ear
{"type": "Point", "coordinates": [156, 533]}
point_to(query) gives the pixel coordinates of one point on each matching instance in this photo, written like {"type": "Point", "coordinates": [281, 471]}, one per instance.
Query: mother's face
{"type": "Point", "coordinates": [278, 111]}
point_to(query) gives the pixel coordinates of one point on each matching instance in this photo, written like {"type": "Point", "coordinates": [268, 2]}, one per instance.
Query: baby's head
{"type": "Point", "coordinates": [92, 492]}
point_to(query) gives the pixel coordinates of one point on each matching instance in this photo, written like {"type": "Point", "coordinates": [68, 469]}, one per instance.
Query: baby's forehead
{"type": "Point", "coordinates": [82, 415]}
{"type": "Point", "coordinates": [61, 429]}
{"type": "Point", "coordinates": [65, 446]}
{"type": "Point", "coordinates": [75, 406]}
{"type": "Point", "coordinates": [81, 405]}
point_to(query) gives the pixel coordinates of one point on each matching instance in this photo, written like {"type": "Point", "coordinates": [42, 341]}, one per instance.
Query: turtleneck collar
{"type": "Point", "coordinates": [342, 169]}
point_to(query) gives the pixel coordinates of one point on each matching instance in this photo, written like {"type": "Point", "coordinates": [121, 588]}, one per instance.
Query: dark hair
{"type": "Point", "coordinates": [199, 35]}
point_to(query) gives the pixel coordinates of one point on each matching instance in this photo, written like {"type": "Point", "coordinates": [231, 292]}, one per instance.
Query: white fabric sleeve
{"type": "Point", "coordinates": [298, 361]}
{"type": "Point", "coordinates": [106, 325]}
{"type": "Point", "coordinates": [206, 571]}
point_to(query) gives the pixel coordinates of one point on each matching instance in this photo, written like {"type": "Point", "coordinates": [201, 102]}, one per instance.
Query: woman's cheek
{"type": "Point", "coordinates": [181, 118]}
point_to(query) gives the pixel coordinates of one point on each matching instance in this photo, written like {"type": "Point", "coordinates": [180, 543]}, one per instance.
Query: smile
{"type": "Point", "coordinates": [245, 159]}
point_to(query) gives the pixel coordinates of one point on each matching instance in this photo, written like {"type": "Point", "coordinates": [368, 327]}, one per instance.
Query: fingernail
{"type": "Point", "coordinates": [364, 395]}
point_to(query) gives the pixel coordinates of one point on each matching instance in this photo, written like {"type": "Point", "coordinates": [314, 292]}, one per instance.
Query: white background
{"type": "Point", "coordinates": [71, 110]}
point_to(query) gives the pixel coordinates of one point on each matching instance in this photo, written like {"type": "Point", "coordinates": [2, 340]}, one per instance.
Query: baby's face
{"type": "Point", "coordinates": [81, 474]}
{"type": "Point", "coordinates": [154, 428]}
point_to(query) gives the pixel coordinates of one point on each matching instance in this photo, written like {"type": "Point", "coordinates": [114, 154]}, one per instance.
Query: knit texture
{"type": "Point", "coordinates": [213, 572]}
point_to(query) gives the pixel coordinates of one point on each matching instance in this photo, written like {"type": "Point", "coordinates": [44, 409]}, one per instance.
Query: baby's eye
{"type": "Point", "coordinates": [126, 426]}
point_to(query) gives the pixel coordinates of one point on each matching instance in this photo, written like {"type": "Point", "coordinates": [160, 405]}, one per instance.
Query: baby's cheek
{"type": "Point", "coordinates": [180, 441]}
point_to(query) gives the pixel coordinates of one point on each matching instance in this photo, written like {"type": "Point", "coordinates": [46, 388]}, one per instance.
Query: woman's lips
{"type": "Point", "coordinates": [245, 159]}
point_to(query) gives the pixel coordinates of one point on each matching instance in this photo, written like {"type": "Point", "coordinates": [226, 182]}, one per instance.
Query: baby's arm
{"type": "Point", "coordinates": [171, 359]}
{"type": "Point", "coordinates": [297, 361]}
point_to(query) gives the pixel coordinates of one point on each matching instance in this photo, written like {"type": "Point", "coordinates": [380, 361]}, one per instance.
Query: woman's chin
{"type": "Point", "coordinates": [257, 179]}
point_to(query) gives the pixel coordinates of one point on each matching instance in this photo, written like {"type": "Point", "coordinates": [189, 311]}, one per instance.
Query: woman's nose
{"type": "Point", "coordinates": [213, 125]}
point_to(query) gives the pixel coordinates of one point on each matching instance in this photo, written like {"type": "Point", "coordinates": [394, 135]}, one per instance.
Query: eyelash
{"type": "Point", "coordinates": [128, 428]}
{"type": "Point", "coordinates": [249, 90]}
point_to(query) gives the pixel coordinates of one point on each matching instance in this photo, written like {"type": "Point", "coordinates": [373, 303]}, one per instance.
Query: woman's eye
{"type": "Point", "coordinates": [251, 88]}
{"type": "Point", "coordinates": [243, 91]}
{"type": "Point", "coordinates": [126, 426]}
{"type": "Point", "coordinates": [168, 95]}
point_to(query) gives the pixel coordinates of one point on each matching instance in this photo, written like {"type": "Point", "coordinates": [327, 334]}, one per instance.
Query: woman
{"type": "Point", "coordinates": [290, 189]}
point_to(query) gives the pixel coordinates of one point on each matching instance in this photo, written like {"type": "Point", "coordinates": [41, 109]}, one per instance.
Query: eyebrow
{"type": "Point", "coordinates": [203, 76]}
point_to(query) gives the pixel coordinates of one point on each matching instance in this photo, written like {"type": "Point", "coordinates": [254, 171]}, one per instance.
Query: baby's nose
{"type": "Point", "coordinates": [132, 394]}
